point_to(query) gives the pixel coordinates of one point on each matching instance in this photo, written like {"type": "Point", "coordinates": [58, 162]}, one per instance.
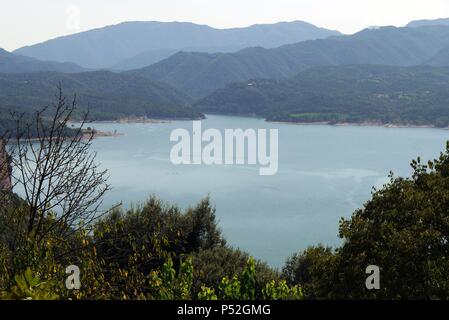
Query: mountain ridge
{"type": "Point", "coordinates": [428, 22]}
{"type": "Point", "coordinates": [97, 49]}
{"type": "Point", "coordinates": [199, 74]}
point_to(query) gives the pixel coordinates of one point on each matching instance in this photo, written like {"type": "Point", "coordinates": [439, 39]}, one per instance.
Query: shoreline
{"type": "Point", "coordinates": [99, 134]}
{"type": "Point", "coordinates": [142, 120]}
{"type": "Point", "coordinates": [130, 121]}
{"type": "Point", "coordinates": [360, 124]}
{"type": "Point", "coordinates": [85, 135]}
{"type": "Point", "coordinates": [318, 123]}
{"type": "Point", "coordinates": [338, 124]}
{"type": "Point", "coordinates": [123, 121]}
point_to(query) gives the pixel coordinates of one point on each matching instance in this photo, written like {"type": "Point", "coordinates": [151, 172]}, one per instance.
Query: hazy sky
{"type": "Point", "coordinates": [24, 22]}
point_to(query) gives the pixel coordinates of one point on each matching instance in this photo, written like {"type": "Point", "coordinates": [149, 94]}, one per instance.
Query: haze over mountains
{"type": "Point", "coordinates": [253, 80]}
{"type": "Point", "coordinates": [200, 74]}
{"type": "Point", "coordinates": [137, 44]}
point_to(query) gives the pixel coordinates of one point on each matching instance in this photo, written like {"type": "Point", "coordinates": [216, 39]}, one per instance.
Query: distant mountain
{"type": "Point", "coordinates": [14, 63]}
{"type": "Point", "coordinates": [144, 59]}
{"type": "Point", "coordinates": [435, 22]}
{"type": "Point", "coordinates": [110, 96]}
{"type": "Point", "coordinates": [336, 94]}
{"type": "Point", "coordinates": [200, 74]}
{"type": "Point", "coordinates": [138, 44]}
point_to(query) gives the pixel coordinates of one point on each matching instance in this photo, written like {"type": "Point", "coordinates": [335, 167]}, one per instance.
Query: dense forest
{"type": "Point", "coordinates": [356, 94]}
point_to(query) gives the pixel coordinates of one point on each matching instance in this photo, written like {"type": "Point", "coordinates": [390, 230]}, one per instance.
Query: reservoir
{"type": "Point", "coordinates": [324, 174]}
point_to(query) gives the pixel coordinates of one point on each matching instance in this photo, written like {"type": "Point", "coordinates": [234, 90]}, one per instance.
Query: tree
{"type": "Point", "coordinates": [403, 229]}
{"type": "Point", "coordinates": [55, 170]}
{"type": "Point", "coordinates": [212, 265]}
{"type": "Point", "coordinates": [154, 232]}
{"type": "Point", "coordinates": [313, 269]}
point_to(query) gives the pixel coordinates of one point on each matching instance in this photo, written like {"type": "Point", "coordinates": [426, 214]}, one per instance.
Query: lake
{"type": "Point", "coordinates": [325, 172]}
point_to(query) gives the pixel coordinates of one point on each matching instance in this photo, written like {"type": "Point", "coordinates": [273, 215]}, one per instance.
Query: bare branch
{"type": "Point", "coordinates": [56, 172]}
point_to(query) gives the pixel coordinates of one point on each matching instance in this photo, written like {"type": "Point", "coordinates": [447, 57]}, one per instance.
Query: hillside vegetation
{"type": "Point", "coordinates": [109, 96]}
{"type": "Point", "coordinates": [365, 93]}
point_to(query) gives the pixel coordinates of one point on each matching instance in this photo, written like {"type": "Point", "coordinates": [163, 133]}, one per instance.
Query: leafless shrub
{"type": "Point", "coordinates": [55, 171]}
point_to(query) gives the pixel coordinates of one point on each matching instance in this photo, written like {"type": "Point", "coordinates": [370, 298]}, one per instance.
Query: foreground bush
{"type": "Point", "coordinates": [403, 229]}
{"type": "Point", "coordinates": [213, 265]}
{"type": "Point", "coordinates": [150, 252]}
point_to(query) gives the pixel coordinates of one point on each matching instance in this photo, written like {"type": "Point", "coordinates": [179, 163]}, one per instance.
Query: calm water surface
{"type": "Point", "coordinates": [325, 172]}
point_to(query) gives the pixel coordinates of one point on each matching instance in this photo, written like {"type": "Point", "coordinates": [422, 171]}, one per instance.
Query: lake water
{"type": "Point", "coordinates": [325, 172]}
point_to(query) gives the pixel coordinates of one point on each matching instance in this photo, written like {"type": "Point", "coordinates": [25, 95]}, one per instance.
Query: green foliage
{"type": "Point", "coordinates": [142, 253]}
{"type": "Point", "coordinates": [207, 294]}
{"type": "Point", "coordinates": [166, 284]}
{"type": "Point", "coordinates": [29, 287]}
{"type": "Point", "coordinates": [281, 291]}
{"type": "Point", "coordinates": [213, 265]}
{"type": "Point", "coordinates": [248, 281]}
{"type": "Point", "coordinates": [403, 229]}
{"type": "Point", "coordinates": [243, 286]}
{"type": "Point", "coordinates": [154, 232]}
{"type": "Point", "coordinates": [313, 269]}
{"type": "Point", "coordinates": [230, 289]}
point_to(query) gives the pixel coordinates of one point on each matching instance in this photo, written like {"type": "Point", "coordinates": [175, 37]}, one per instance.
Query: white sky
{"type": "Point", "coordinates": [24, 22]}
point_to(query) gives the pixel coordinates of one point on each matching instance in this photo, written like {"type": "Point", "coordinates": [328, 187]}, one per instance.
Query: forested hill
{"type": "Point", "coordinates": [337, 94]}
{"type": "Point", "coordinates": [109, 96]}
{"type": "Point", "coordinates": [199, 74]}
